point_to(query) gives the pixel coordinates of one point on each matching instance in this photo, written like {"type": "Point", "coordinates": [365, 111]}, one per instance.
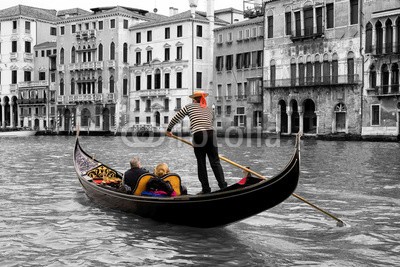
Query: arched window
{"type": "Point", "coordinates": [309, 71]}
{"type": "Point", "coordinates": [293, 70]}
{"type": "Point", "coordinates": [335, 69]}
{"type": "Point", "coordinates": [389, 36]}
{"type": "Point", "coordinates": [326, 68]}
{"type": "Point", "coordinates": [385, 79]}
{"type": "Point", "coordinates": [157, 79]}
{"type": "Point", "coordinates": [62, 56]}
{"type": "Point", "coordinates": [89, 54]}
{"type": "Point", "coordinates": [112, 84]}
{"type": "Point", "coordinates": [73, 55]}
{"type": "Point", "coordinates": [372, 76]}
{"type": "Point", "coordinates": [112, 51]}
{"type": "Point", "coordinates": [84, 54]}
{"type": "Point", "coordinates": [61, 86]}
{"type": "Point", "coordinates": [368, 38]}
{"type": "Point", "coordinates": [85, 116]}
{"type": "Point", "coordinates": [72, 86]}
{"type": "Point", "coordinates": [379, 37]}
{"type": "Point", "coordinates": [350, 67]}
{"type": "Point", "coordinates": [317, 70]}
{"type": "Point", "coordinates": [100, 85]}
{"type": "Point", "coordinates": [125, 53]}
{"type": "Point", "coordinates": [100, 52]}
{"type": "Point", "coordinates": [301, 71]}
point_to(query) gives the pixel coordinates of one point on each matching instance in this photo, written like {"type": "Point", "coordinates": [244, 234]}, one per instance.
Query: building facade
{"type": "Point", "coordinates": [171, 58]}
{"type": "Point", "coordinates": [312, 67]}
{"type": "Point", "coordinates": [93, 68]}
{"type": "Point", "coordinates": [381, 43]}
{"type": "Point", "coordinates": [22, 27]}
{"type": "Point", "coordinates": [238, 62]}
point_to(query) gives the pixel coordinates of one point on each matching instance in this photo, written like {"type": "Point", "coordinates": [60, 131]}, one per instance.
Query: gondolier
{"type": "Point", "coordinates": [204, 138]}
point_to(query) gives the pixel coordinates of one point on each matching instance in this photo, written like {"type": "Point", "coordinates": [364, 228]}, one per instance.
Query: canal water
{"type": "Point", "coordinates": [47, 220]}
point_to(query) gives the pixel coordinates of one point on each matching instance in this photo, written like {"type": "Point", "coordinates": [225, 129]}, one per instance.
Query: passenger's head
{"type": "Point", "coordinates": [161, 169]}
{"type": "Point", "coordinates": [135, 162]}
{"type": "Point", "coordinates": [246, 173]}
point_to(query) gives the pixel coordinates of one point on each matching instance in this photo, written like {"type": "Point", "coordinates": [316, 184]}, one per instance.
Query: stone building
{"type": "Point", "coordinates": [238, 59]}
{"type": "Point", "coordinates": [381, 43]}
{"type": "Point", "coordinates": [93, 68]}
{"type": "Point", "coordinates": [312, 67]}
{"type": "Point", "coordinates": [170, 58]}
{"type": "Point", "coordinates": [22, 27]}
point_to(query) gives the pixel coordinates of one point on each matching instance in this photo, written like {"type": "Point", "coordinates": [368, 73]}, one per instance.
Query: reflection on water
{"type": "Point", "coordinates": [47, 220]}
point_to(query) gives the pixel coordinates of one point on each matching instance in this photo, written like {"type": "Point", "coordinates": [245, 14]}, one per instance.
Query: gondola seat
{"type": "Point", "coordinates": [175, 181]}
{"type": "Point", "coordinates": [141, 183]}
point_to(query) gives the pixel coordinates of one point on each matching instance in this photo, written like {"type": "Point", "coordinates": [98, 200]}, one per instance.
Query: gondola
{"type": "Point", "coordinates": [216, 209]}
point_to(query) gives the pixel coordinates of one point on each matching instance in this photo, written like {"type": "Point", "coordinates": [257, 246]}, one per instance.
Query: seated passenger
{"type": "Point", "coordinates": [248, 179]}
{"type": "Point", "coordinates": [161, 169]}
{"type": "Point", "coordinates": [132, 175]}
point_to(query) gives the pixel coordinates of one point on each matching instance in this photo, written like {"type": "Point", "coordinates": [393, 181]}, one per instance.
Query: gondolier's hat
{"type": "Point", "coordinates": [197, 94]}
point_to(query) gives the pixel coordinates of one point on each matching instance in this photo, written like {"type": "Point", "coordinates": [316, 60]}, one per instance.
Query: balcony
{"type": "Point", "coordinates": [314, 81]}
{"type": "Point", "coordinates": [61, 68]}
{"type": "Point", "coordinates": [153, 93]}
{"type": "Point", "coordinates": [28, 57]}
{"type": "Point", "coordinates": [307, 33]}
{"type": "Point", "coordinates": [32, 101]}
{"type": "Point", "coordinates": [99, 65]}
{"type": "Point", "coordinates": [61, 99]}
{"type": "Point", "coordinates": [85, 98]}
{"type": "Point", "coordinates": [228, 98]}
{"type": "Point", "coordinates": [13, 56]}
{"type": "Point", "coordinates": [88, 65]}
{"type": "Point", "coordinates": [33, 84]}
{"type": "Point", "coordinates": [13, 88]}
{"type": "Point", "coordinates": [86, 34]}
{"type": "Point", "coordinates": [111, 97]}
{"type": "Point", "coordinates": [74, 66]}
{"type": "Point", "coordinates": [387, 90]}
{"type": "Point", "coordinates": [254, 99]}
{"type": "Point", "coordinates": [111, 64]}
{"type": "Point", "coordinates": [378, 50]}
{"type": "Point", "coordinates": [218, 98]}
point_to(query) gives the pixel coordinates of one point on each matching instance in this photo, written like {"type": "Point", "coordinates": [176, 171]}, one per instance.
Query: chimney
{"type": "Point", "coordinates": [175, 11]}
{"type": "Point", "coordinates": [171, 11]}
{"type": "Point", "coordinates": [210, 10]}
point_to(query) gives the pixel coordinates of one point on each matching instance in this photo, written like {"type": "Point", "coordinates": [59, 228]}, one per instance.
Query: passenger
{"type": "Point", "coordinates": [248, 179]}
{"type": "Point", "coordinates": [132, 175]}
{"type": "Point", "coordinates": [161, 169]}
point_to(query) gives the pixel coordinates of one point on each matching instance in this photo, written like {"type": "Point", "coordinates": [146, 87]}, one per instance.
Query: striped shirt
{"type": "Point", "coordinates": [201, 119]}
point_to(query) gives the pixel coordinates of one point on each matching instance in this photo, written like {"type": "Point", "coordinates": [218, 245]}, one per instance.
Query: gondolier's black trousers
{"type": "Point", "coordinates": [205, 143]}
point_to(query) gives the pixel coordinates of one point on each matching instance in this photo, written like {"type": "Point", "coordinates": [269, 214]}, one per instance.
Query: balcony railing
{"type": "Point", "coordinates": [32, 101]}
{"type": "Point", "coordinates": [153, 92]}
{"type": "Point", "coordinates": [314, 81]}
{"type": "Point", "coordinates": [61, 67]}
{"type": "Point", "coordinates": [99, 65]}
{"type": "Point", "coordinates": [33, 84]}
{"type": "Point", "coordinates": [13, 88]}
{"type": "Point", "coordinates": [309, 32]}
{"type": "Point", "coordinates": [85, 34]}
{"type": "Point", "coordinates": [61, 99]}
{"type": "Point", "coordinates": [387, 90]}
{"type": "Point", "coordinates": [28, 56]}
{"type": "Point", "coordinates": [13, 56]}
{"type": "Point", "coordinates": [83, 98]}
{"type": "Point", "coordinates": [111, 97]}
{"type": "Point", "coordinates": [111, 64]}
{"type": "Point", "coordinates": [378, 49]}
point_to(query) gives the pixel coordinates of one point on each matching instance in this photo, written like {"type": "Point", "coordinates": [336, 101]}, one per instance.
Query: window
{"type": "Point", "coordinates": [199, 52]}
{"type": "Point", "coordinates": [149, 36]}
{"type": "Point", "coordinates": [125, 24]}
{"type": "Point", "coordinates": [198, 80]}
{"type": "Point", "coordinates": [112, 84]}
{"type": "Point", "coordinates": [148, 81]}
{"type": "Point", "coordinates": [62, 30]}
{"type": "Point", "coordinates": [270, 26]}
{"type": "Point", "coordinates": [157, 79]}
{"type": "Point", "coordinates": [42, 76]}
{"type": "Point", "coordinates": [167, 33]}
{"type": "Point", "coordinates": [148, 118]}
{"type": "Point", "coordinates": [14, 77]}
{"type": "Point", "coordinates": [137, 120]}
{"type": "Point", "coordinates": [246, 60]}
{"type": "Point", "coordinates": [86, 26]}
{"type": "Point", "coordinates": [138, 58]}
{"type": "Point", "coordinates": [149, 56]}
{"type": "Point", "coordinates": [272, 74]}
{"type": "Point", "coordinates": [239, 61]}
{"type": "Point", "coordinates": [138, 38]}
{"type": "Point", "coordinates": [125, 86]}
{"type": "Point", "coordinates": [319, 20]}
{"type": "Point", "coordinates": [317, 75]}
{"type": "Point", "coordinates": [219, 63]}
{"type": "Point", "coordinates": [72, 86]}
{"type": "Point", "coordinates": [101, 25]}
{"type": "Point", "coordinates": [112, 51]}
{"type": "Point", "coordinates": [42, 53]}
{"type": "Point", "coordinates": [14, 46]}
{"type": "Point", "coordinates": [125, 53]}
{"type": "Point", "coordinates": [301, 73]}
{"type": "Point", "coordinates": [353, 12]}
{"type": "Point", "coordinates": [36, 53]}
{"type": "Point", "coordinates": [288, 20]}
{"type": "Point", "coordinates": [14, 23]}
{"type": "Point", "coordinates": [350, 68]}
{"type": "Point", "coordinates": [179, 53]}
{"type": "Point", "coordinates": [27, 47]}
{"type": "Point", "coordinates": [308, 21]}
{"type": "Point", "coordinates": [148, 106]}
{"type": "Point", "coordinates": [27, 26]}
{"type": "Point", "coordinates": [199, 31]}
{"type": "Point", "coordinates": [372, 77]}
{"type": "Point", "coordinates": [73, 28]}
{"type": "Point", "coordinates": [329, 16]}
{"type": "Point", "coordinates": [137, 79]}
{"type": "Point", "coordinates": [166, 80]}
{"type": "Point", "coordinates": [179, 80]}
{"type": "Point", "coordinates": [240, 35]}
{"type": "Point", "coordinates": [326, 68]}
{"type": "Point", "coordinates": [166, 54]}
{"type": "Point", "coordinates": [230, 37]}
{"type": "Point", "coordinates": [100, 52]}
{"type": "Point", "coordinates": [112, 23]}
{"type": "Point", "coordinates": [259, 58]}
{"type": "Point", "coordinates": [179, 31]}
{"type": "Point", "coordinates": [297, 19]}
{"type": "Point", "coordinates": [166, 120]}
{"type": "Point", "coordinates": [229, 62]}
{"type": "Point", "coordinates": [61, 56]}
{"type": "Point", "coordinates": [178, 103]}
{"type": "Point", "coordinates": [254, 59]}
{"type": "Point", "coordinates": [61, 86]}
{"type": "Point", "coordinates": [375, 110]}
{"type": "Point", "coordinates": [254, 32]}
{"type": "Point", "coordinates": [137, 105]}
{"type": "Point", "coordinates": [100, 85]}
{"type": "Point", "coordinates": [368, 38]}
{"type": "Point", "coordinates": [53, 31]}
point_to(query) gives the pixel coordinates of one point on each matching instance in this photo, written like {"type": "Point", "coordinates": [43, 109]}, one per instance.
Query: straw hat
{"type": "Point", "coordinates": [198, 94]}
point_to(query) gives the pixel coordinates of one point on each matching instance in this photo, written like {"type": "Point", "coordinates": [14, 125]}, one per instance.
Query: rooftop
{"type": "Point", "coordinates": [30, 12]}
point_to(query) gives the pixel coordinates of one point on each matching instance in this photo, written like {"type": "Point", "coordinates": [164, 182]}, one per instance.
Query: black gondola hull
{"type": "Point", "coordinates": [204, 211]}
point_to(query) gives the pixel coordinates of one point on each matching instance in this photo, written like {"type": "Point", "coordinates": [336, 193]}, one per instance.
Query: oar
{"type": "Point", "coordinates": [339, 222]}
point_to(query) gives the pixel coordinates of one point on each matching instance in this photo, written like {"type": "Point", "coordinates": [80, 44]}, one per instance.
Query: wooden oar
{"type": "Point", "coordinates": [339, 222]}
